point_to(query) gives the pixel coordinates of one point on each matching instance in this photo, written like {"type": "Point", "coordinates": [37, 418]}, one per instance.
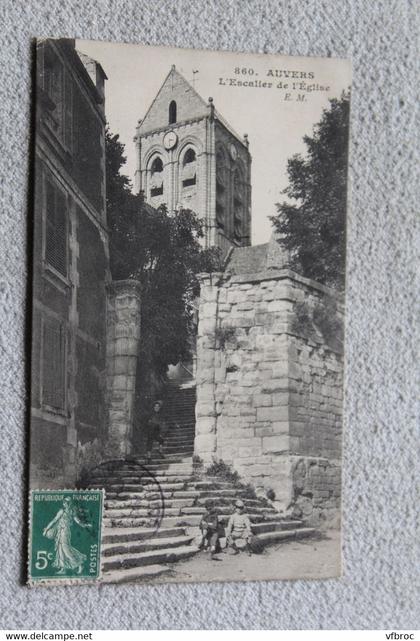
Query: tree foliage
{"type": "Point", "coordinates": [163, 252]}
{"type": "Point", "coordinates": [312, 222]}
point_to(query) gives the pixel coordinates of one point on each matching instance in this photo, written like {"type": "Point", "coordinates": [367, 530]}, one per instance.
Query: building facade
{"type": "Point", "coordinates": [189, 157]}
{"type": "Point", "coordinates": [71, 263]}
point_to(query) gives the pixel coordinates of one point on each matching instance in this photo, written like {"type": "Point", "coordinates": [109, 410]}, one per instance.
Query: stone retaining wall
{"type": "Point", "coordinates": [269, 385]}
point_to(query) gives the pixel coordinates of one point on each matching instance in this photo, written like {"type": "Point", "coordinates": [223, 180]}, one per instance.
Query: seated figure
{"type": "Point", "coordinates": [210, 531]}
{"type": "Point", "coordinates": [238, 530]}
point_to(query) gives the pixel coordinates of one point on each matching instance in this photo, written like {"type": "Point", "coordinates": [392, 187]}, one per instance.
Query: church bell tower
{"type": "Point", "coordinates": [189, 157]}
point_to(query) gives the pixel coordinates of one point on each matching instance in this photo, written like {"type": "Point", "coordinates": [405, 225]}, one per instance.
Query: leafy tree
{"type": "Point", "coordinates": [163, 252]}
{"type": "Point", "coordinates": [312, 223]}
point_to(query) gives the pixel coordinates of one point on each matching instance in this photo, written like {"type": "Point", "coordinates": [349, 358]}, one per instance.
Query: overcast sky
{"type": "Point", "coordinates": [275, 126]}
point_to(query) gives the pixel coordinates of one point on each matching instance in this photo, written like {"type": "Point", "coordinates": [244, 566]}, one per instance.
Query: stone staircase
{"type": "Point", "coordinates": [152, 510]}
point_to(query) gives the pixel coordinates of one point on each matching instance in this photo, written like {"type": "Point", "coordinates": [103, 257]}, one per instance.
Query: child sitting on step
{"type": "Point", "coordinates": [210, 531]}
{"type": "Point", "coordinates": [238, 530]}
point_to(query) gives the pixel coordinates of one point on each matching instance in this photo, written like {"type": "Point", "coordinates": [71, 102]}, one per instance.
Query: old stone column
{"type": "Point", "coordinates": [205, 431]}
{"type": "Point", "coordinates": [122, 350]}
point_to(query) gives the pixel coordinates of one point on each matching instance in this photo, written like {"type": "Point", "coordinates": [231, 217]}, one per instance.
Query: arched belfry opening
{"type": "Point", "coordinates": [172, 112]}
{"type": "Point", "coordinates": [189, 169]}
{"type": "Point", "coordinates": [156, 177]}
{"type": "Point", "coordinates": [157, 165]}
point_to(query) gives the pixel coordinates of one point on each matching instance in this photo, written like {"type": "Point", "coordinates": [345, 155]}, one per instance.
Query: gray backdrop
{"type": "Point", "coordinates": [381, 507]}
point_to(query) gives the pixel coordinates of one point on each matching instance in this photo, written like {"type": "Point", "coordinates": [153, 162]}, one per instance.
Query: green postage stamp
{"type": "Point", "coordinates": [65, 535]}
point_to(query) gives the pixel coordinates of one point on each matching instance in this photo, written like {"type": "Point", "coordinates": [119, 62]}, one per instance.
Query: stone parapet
{"type": "Point", "coordinates": [269, 384]}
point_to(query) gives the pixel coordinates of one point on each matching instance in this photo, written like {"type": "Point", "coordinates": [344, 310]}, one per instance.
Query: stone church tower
{"type": "Point", "coordinates": [188, 156]}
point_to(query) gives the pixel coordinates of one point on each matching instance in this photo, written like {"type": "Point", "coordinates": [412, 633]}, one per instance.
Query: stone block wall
{"type": "Point", "coordinates": [122, 353]}
{"type": "Point", "coordinates": [269, 386]}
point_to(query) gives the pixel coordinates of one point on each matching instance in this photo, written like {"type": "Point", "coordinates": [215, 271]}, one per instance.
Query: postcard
{"type": "Point", "coordinates": [188, 315]}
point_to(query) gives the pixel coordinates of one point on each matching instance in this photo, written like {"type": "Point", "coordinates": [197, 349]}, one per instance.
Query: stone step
{"type": "Point", "coordinates": [183, 467]}
{"type": "Point", "coordinates": [182, 422]}
{"type": "Point", "coordinates": [222, 492]}
{"type": "Point", "coordinates": [192, 520]}
{"type": "Point", "coordinates": [125, 479]}
{"type": "Point", "coordinates": [194, 509]}
{"type": "Point", "coordinates": [136, 487]}
{"type": "Point", "coordinates": [118, 504]}
{"type": "Point", "coordinates": [180, 494]}
{"type": "Point", "coordinates": [229, 508]}
{"type": "Point", "coordinates": [153, 557]}
{"type": "Point", "coordinates": [187, 432]}
{"type": "Point", "coordinates": [183, 520]}
{"type": "Point", "coordinates": [152, 511]}
{"type": "Point", "coordinates": [171, 477]}
{"type": "Point", "coordinates": [185, 456]}
{"type": "Point", "coordinates": [172, 468]}
{"type": "Point", "coordinates": [174, 502]}
{"type": "Point", "coordinates": [181, 425]}
{"type": "Point", "coordinates": [211, 485]}
{"type": "Point", "coordinates": [167, 495]}
{"type": "Point", "coordinates": [275, 525]}
{"type": "Point", "coordinates": [178, 401]}
{"type": "Point", "coordinates": [177, 449]}
{"type": "Point", "coordinates": [134, 547]}
{"type": "Point", "coordinates": [116, 496]}
{"type": "Point", "coordinates": [144, 523]}
{"type": "Point", "coordinates": [156, 502]}
{"type": "Point", "coordinates": [119, 535]}
{"type": "Point", "coordinates": [169, 520]}
{"type": "Point", "coordinates": [164, 461]}
{"type": "Point", "coordinates": [131, 575]}
{"type": "Point", "coordinates": [185, 441]}
{"type": "Point", "coordinates": [282, 535]}
{"type": "Point", "coordinates": [216, 499]}
{"type": "Point", "coordinates": [168, 484]}
{"type": "Point", "coordinates": [254, 517]}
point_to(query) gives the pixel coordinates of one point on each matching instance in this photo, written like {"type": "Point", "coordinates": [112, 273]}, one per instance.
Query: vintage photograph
{"type": "Point", "coordinates": [189, 233]}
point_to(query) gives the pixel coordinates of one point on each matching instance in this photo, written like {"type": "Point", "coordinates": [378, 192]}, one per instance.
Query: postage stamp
{"type": "Point", "coordinates": [65, 535]}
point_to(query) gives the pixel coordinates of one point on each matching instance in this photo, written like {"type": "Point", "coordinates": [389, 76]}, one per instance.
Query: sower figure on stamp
{"type": "Point", "coordinates": [66, 557]}
{"type": "Point", "coordinates": [210, 531]}
{"type": "Point", "coordinates": [238, 530]}
{"type": "Point", "coordinates": [156, 429]}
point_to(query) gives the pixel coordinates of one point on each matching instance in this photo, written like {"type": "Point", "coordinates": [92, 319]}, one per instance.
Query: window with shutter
{"type": "Point", "coordinates": [56, 228]}
{"type": "Point", "coordinates": [68, 113]}
{"type": "Point", "coordinates": [53, 364]}
{"type": "Point", "coordinates": [53, 83]}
